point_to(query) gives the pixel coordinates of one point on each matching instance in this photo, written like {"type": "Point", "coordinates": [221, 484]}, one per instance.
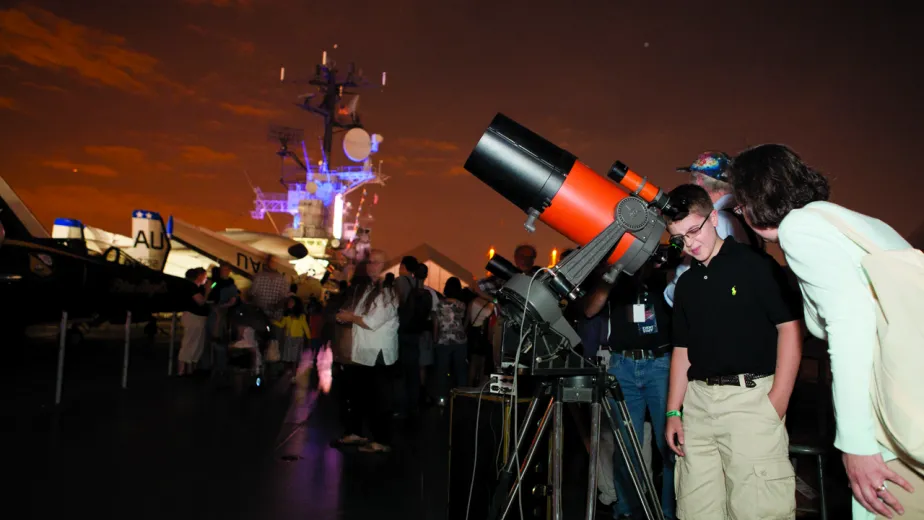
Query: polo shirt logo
{"type": "Point", "coordinates": [734, 290]}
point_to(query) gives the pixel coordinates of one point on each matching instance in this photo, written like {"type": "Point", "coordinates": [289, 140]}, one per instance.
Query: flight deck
{"type": "Point", "coordinates": [188, 447]}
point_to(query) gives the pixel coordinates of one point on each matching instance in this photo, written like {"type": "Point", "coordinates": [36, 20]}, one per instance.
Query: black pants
{"type": "Point", "coordinates": [368, 400]}
{"type": "Point", "coordinates": [450, 356]}
{"type": "Point", "coordinates": [409, 366]}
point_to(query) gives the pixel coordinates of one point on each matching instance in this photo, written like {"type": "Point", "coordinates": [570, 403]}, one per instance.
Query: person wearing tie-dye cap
{"type": "Point", "coordinates": [710, 171]}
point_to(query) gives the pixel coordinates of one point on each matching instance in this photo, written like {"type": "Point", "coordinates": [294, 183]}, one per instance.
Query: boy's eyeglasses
{"type": "Point", "coordinates": [690, 233]}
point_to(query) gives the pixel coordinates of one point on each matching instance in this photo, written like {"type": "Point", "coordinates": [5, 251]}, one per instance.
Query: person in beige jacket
{"type": "Point", "coordinates": [780, 197]}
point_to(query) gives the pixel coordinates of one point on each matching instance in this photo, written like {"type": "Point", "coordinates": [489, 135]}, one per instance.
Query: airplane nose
{"type": "Point", "coordinates": [298, 251]}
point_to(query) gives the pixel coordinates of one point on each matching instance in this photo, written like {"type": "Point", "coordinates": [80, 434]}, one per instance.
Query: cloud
{"type": "Point", "coordinates": [427, 144]}
{"type": "Point", "coordinates": [110, 209]}
{"type": "Point", "coordinates": [8, 104]}
{"type": "Point", "coordinates": [198, 29]}
{"type": "Point", "coordinates": [201, 176]}
{"type": "Point", "coordinates": [241, 47]}
{"type": "Point", "coordinates": [97, 170]}
{"type": "Point", "coordinates": [244, 48]}
{"type": "Point", "coordinates": [117, 154]}
{"type": "Point", "coordinates": [395, 160]}
{"type": "Point", "coordinates": [111, 161]}
{"type": "Point", "coordinates": [127, 158]}
{"type": "Point", "coordinates": [250, 110]}
{"type": "Point", "coordinates": [42, 39]}
{"type": "Point", "coordinates": [37, 86]}
{"type": "Point", "coordinates": [429, 160]}
{"type": "Point", "coordinates": [205, 155]}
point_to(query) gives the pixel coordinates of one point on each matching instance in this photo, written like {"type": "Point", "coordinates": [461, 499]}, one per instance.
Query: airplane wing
{"type": "Point", "coordinates": [17, 220]}
{"type": "Point", "coordinates": [242, 258]}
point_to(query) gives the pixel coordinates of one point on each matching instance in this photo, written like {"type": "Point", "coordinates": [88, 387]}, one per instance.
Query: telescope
{"type": "Point", "coordinates": [618, 221]}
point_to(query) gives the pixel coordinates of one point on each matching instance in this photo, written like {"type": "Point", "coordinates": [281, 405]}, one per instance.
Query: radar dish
{"type": "Point", "coordinates": [357, 145]}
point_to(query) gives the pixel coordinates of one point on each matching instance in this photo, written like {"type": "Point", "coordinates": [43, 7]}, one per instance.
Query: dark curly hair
{"type": "Point", "coordinates": [770, 180]}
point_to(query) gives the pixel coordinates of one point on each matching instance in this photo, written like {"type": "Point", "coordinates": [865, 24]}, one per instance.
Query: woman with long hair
{"type": "Point", "coordinates": [786, 201]}
{"type": "Point", "coordinates": [374, 316]}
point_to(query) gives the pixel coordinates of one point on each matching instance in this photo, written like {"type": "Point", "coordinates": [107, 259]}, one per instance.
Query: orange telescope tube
{"type": "Point", "coordinates": [552, 186]}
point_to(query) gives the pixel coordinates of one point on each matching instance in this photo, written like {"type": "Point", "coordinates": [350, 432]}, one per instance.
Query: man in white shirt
{"type": "Point", "coordinates": [710, 170]}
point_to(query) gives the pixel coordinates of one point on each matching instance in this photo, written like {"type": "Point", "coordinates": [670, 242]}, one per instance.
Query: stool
{"type": "Point", "coordinates": [820, 455]}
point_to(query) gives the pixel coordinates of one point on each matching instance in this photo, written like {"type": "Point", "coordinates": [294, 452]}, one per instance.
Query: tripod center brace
{"type": "Point", "coordinates": [597, 390]}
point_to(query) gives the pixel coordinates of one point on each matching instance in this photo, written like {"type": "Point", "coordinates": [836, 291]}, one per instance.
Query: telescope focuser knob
{"type": "Point", "coordinates": [531, 218]}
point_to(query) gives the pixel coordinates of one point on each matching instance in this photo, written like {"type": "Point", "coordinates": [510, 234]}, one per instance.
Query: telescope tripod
{"type": "Point", "coordinates": [594, 389]}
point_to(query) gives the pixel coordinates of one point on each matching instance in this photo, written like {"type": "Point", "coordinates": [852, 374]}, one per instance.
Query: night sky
{"type": "Point", "coordinates": [164, 104]}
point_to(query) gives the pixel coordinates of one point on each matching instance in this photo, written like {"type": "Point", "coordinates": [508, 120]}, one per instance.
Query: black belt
{"type": "Point", "coordinates": [733, 380]}
{"type": "Point", "coordinates": [640, 354]}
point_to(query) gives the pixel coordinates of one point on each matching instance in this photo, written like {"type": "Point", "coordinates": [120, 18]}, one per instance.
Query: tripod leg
{"type": "Point", "coordinates": [505, 479]}
{"type": "Point", "coordinates": [627, 440]}
{"type": "Point", "coordinates": [595, 413]}
{"type": "Point", "coordinates": [530, 413]}
{"type": "Point", "coordinates": [511, 494]}
{"type": "Point", "coordinates": [558, 446]}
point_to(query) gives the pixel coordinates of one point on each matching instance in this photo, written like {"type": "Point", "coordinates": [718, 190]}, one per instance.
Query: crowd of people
{"type": "Point", "coordinates": [397, 344]}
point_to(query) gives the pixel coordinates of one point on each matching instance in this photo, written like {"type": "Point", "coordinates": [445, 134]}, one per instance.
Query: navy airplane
{"type": "Point", "coordinates": [40, 276]}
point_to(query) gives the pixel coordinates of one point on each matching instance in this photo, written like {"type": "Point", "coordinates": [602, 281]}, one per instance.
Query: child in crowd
{"type": "Point", "coordinates": [295, 325]}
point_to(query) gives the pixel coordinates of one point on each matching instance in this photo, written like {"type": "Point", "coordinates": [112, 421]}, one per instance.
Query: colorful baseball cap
{"type": "Point", "coordinates": [712, 164]}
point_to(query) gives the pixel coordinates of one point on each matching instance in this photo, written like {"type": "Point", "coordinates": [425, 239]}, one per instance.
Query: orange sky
{"type": "Point", "coordinates": [164, 104]}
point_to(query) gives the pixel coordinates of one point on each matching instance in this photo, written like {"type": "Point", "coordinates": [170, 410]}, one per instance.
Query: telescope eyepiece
{"type": "Point", "coordinates": [501, 268]}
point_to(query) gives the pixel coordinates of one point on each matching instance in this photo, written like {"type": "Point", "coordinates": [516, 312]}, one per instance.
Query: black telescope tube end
{"type": "Point", "coordinates": [617, 171]}
{"type": "Point", "coordinates": [518, 164]}
{"type": "Point", "coordinates": [501, 268]}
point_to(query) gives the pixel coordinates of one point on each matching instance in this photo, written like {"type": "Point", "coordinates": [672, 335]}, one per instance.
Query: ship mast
{"type": "Point", "coordinates": [333, 96]}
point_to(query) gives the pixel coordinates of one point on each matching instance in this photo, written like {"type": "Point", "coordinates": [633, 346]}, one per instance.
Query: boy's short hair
{"type": "Point", "coordinates": [690, 198]}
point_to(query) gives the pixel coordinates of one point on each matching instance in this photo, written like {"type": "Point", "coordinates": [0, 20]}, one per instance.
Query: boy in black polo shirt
{"type": "Point", "coordinates": [737, 348]}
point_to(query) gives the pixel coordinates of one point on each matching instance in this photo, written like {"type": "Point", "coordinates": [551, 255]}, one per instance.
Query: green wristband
{"type": "Point", "coordinates": [674, 413]}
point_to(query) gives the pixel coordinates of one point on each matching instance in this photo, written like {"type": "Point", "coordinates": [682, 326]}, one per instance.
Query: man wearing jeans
{"type": "Point", "coordinates": [639, 345]}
